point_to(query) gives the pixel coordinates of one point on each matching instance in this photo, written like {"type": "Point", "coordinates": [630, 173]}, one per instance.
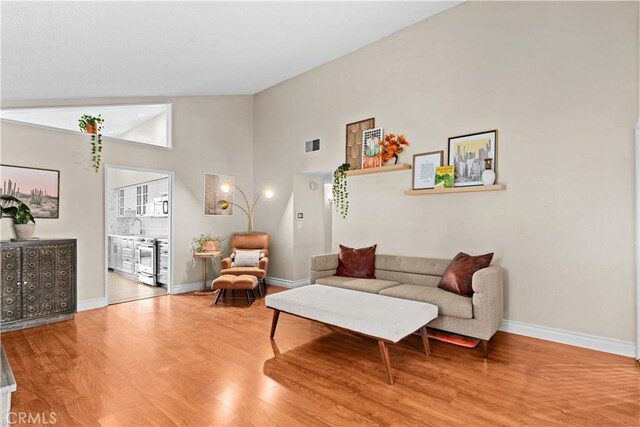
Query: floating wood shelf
{"type": "Point", "coordinates": [390, 168]}
{"type": "Point", "coordinates": [496, 187]}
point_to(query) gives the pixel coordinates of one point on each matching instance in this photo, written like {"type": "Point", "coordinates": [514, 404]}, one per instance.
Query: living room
{"type": "Point", "coordinates": [554, 81]}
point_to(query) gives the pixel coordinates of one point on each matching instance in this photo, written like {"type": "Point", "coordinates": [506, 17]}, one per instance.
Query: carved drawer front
{"type": "Point", "coordinates": [10, 292]}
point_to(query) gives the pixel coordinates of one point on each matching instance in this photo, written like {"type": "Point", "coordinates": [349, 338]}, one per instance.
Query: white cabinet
{"type": "Point", "coordinates": [138, 200]}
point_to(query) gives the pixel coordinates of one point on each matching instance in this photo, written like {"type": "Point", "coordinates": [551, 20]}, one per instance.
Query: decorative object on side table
{"type": "Point", "coordinates": [444, 177]}
{"type": "Point", "coordinates": [41, 187]}
{"type": "Point", "coordinates": [488, 175]}
{"type": "Point", "coordinates": [339, 190]}
{"type": "Point", "coordinates": [213, 194]}
{"type": "Point", "coordinates": [371, 150]}
{"type": "Point", "coordinates": [424, 169]}
{"type": "Point", "coordinates": [467, 153]}
{"type": "Point", "coordinates": [392, 146]}
{"type": "Point", "coordinates": [207, 243]}
{"type": "Point", "coordinates": [353, 145]}
{"type": "Point", "coordinates": [21, 216]}
{"type": "Point", "coordinates": [93, 126]}
{"type": "Point", "coordinates": [248, 209]}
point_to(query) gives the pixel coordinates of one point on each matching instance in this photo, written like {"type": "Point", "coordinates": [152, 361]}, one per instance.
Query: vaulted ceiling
{"type": "Point", "coordinates": [63, 49]}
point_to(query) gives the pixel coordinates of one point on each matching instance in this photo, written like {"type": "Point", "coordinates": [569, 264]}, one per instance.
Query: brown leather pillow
{"type": "Point", "coordinates": [360, 263]}
{"type": "Point", "coordinates": [457, 276]}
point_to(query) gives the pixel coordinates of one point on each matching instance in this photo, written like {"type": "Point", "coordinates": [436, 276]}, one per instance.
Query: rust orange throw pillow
{"type": "Point", "coordinates": [360, 263]}
{"type": "Point", "coordinates": [457, 277]}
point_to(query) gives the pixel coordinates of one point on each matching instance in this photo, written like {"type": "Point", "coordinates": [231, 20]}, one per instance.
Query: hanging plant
{"type": "Point", "coordinates": [93, 126]}
{"type": "Point", "coordinates": [340, 193]}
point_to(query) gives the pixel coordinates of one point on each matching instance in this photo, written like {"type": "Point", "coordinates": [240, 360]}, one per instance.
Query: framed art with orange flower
{"type": "Point", "coordinates": [424, 169]}
{"type": "Point", "coordinates": [371, 150]}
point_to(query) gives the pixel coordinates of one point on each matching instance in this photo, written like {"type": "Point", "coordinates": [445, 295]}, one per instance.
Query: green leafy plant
{"type": "Point", "coordinates": [199, 241]}
{"type": "Point", "coordinates": [93, 126]}
{"type": "Point", "coordinates": [20, 214]}
{"type": "Point", "coordinates": [340, 192]}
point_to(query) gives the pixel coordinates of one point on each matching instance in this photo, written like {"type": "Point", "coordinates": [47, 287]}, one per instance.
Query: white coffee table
{"type": "Point", "coordinates": [383, 318]}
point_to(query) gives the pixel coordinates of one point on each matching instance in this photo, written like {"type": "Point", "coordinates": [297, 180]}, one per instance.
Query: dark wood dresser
{"type": "Point", "coordinates": [38, 283]}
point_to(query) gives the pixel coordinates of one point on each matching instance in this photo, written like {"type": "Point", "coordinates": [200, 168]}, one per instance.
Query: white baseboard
{"type": "Point", "coordinates": [185, 287]}
{"type": "Point", "coordinates": [578, 339]}
{"type": "Point", "coordinates": [287, 283]}
{"type": "Point", "coordinates": [90, 304]}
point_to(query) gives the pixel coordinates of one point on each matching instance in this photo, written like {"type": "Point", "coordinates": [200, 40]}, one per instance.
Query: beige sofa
{"type": "Point", "coordinates": [417, 279]}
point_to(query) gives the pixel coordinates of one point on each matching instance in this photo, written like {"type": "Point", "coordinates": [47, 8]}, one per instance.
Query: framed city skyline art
{"type": "Point", "coordinates": [467, 154]}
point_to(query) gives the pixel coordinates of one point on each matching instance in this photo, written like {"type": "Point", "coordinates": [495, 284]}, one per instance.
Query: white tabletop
{"type": "Point", "coordinates": [375, 315]}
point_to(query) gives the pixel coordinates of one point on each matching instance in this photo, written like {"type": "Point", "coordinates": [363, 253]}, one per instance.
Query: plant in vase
{"type": "Point", "coordinates": [21, 216]}
{"type": "Point", "coordinates": [207, 243]}
{"type": "Point", "coordinates": [392, 146]}
{"type": "Point", "coordinates": [93, 126]}
{"type": "Point", "coordinates": [340, 193]}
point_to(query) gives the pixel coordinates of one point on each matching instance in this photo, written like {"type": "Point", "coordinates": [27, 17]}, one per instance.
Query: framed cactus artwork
{"type": "Point", "coordinates": [37, 188]}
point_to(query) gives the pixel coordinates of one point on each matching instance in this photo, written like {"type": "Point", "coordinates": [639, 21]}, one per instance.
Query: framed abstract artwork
{"type": "Point", "coordinates": [467, 153]}
{"type": "Point", "coordinates": [353, 147]}
{"type": "Point", "coordinates": [37, 188]}
{"type": "Point", "coordinates": [424, 169]}
{"type": "Point", "coordinates": [213, 193]}
{"type": "Point", "coordinates": [371, 150]}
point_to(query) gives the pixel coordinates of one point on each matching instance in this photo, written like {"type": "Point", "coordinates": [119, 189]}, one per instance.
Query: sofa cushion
{"type": "Point", "coordinates": [359, 263]}
{"type": "Point", "coordinates": [449, 304]}
{"type": "Point", "coordinates": [458, 276]}
{"type": "Point", "coordinates": [373, 286]}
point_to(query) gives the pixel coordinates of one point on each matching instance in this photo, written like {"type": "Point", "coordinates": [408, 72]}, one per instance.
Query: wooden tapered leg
{"type": "Point", "coordinates": [274, 322]}
{"type": "Point", "coordinates": [246, 293]}
{"type": "Point", "coordinates": [425, 340]}
{"type": "Point", "coordinates": [260, 288]}
{"type": "Point", "coordinates": [485, 348]}
{"type": "Point", "coordinates": [385, 360]}
{"type": "Point", "coordinates": [218, 296]}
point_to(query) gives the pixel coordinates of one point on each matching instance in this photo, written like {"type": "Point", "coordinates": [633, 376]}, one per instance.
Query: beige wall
{"type": "Point", "coordinates": [153, 131]}
{"type": "Point", "coordinates": [202, 129]}
{"type": "Point", "coordinates": [560, 82]}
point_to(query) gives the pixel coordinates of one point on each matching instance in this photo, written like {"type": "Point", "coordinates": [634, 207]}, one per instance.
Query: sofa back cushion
{"type": "Point", "coordinates": [411, 270]}
{"type": "Point", "coordinates": [359, 263]}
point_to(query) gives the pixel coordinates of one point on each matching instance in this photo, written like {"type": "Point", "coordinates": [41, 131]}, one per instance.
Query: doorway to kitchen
{"type": "Point", "coordinates": [137, 233]}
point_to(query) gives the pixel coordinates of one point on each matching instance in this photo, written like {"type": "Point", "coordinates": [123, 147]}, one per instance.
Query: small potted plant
{"type": "Point", "coordinates": [21, 215]}
{"type": "Point", "coordinates": [207, 243]}
{"type": "Point", "coordinates": [93, 126]}
{"type": "Point", "coordinates": [340, 193]}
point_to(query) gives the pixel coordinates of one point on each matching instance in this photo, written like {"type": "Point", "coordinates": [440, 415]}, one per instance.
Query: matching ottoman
{"type": "Point", "coordinates": [228, 281]}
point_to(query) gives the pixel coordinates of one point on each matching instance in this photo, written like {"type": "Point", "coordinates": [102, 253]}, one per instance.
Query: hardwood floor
{"type": "Point", "coordinates": [123, 288]}
{"type": "Point", "coordinates": [180, 360]}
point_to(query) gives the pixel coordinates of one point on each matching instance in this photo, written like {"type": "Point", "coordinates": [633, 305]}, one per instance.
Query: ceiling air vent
{"type": "Point", "coordinates": [311, 146]}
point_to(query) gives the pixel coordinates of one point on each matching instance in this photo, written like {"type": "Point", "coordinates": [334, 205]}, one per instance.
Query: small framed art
{"type": "Point", "coordinates": [424, 169]}
{"type": "Point", "coordinates": [371, 150]}
{"type": "Point", "coordinates": [467, 153]}
{"type": "Point", "coordinates": [37, 188]}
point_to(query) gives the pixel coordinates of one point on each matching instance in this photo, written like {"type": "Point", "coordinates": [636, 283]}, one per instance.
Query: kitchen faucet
{"type": "Point", "coordinates": [141, 225]}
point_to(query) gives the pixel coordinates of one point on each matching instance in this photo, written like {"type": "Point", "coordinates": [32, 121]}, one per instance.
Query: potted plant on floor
{"type": "Point", "coordinates": [21, 215]}
{"type": "Point", "coordinates": [207, 243]}
{"type": "Point", "coordinates": [93, 126]}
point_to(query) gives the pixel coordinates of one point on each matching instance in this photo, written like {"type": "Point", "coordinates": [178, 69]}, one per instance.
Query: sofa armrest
{"type": "Point", "coordinates": [488, 300]}
{"type": "Point", "coordinates": [263, 264]}
{"type": "Point", "coordinates": [225, 263]}
{"type": "Point", "coordinates": [323, 266]}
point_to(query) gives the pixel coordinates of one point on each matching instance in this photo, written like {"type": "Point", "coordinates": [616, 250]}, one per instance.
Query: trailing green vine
{"type": "Point", "coordinates": [93, 126]}
{"type": "Point", "coordinates": [340, 193]}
